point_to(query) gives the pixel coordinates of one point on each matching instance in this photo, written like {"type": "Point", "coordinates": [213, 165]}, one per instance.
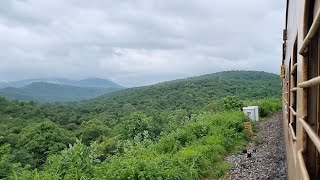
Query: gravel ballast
{"type": "Point", "coordinates": [265, 155]}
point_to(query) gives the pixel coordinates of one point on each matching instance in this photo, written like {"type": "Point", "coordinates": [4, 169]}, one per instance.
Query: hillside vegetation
{"type": "Point", "coordinates": [191, 93]}
{"type": "Point", "coordinates": [49, 92]}
{"type": "Point", "coordinates": [174, 130]}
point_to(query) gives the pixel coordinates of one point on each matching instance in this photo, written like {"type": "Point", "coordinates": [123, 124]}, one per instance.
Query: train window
{"type": "Point", "coordinates": [309, 15]}
{"type": "Point", "coordinates": [313, 96]}
{"type": "Point", "coordinates": [289, 93]}
{"type": "Point", "coordinates": [286, 94]}
{"type": "Point", "coordinates": [293, 86]}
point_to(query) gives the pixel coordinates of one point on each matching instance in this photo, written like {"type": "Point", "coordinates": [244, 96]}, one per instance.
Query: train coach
{"type": "Point", "coordinates": [300, 72]}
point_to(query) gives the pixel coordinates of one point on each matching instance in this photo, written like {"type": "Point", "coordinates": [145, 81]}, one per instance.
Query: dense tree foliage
{"type": "Point", "coordinates": [174, 130]}
{"type": "Point", "coordinates": [194, 92]}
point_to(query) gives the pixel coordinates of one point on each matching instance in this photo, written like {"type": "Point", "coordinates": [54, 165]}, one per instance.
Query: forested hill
{"type": "Point", "coordinates": [192, 92]}
{"type": "Point", "coordinates": [241, 75]}
{"type": "Point", "coordinates": [49, 92]}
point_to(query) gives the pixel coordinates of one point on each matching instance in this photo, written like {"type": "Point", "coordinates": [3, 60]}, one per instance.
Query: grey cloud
{"type": "Point", "coordinates": [138, 42]}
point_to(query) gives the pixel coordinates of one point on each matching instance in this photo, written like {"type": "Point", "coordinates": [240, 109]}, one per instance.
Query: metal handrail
{"type": "Point", "coordinates": [303, 168]}
{"type": "Point", "coordinates": [312, 135]}
{"type": "Point", "coordinates": [293, 134]}
{"type": "Point", "coordinates": [293, 111]}
{"type": "Point", "coordinates": [294, 89]}
{"type": "Point", "coordinates": [294, 68]}
{"type": "Point", "coordinates": [312, 32]}
{"type": "Point", "coordinates": [312, 82]}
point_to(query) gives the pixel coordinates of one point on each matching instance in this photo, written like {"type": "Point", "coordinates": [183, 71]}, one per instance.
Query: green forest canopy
{"type": "Point", "coordinates": [174, 130]}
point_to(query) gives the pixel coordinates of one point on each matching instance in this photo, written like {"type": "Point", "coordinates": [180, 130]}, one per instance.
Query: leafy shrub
{"type": "Point", "coordinates": [76, 162]}
{"type": "Point", "coordinates": [6, 165]}
{"type": "Point", "coordinates": [43, 139]}
{"type": "Point", "coordinates": [134, 124]}
{"type": "Point", "coordinates": [92, 130]}
{"type": "Point", "coordinates": [144, 164]}
{"type": "Point", "coordinates": [232, 103]}
{"type": "Point", "coordinates": [168, 144]}
{"type": "Point", "coordinates": [192, 152]}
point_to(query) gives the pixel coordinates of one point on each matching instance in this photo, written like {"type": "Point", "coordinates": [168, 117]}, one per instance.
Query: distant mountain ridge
{"type": "Point", "coordinates": [57, 90]}
{"type": "Point", "coordinates": [89, 82]}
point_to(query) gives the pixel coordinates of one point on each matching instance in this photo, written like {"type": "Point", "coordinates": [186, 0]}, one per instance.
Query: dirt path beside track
{"type": "Point", "coordinates": [267, 152]}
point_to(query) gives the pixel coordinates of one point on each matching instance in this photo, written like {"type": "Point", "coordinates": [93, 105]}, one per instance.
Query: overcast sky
{"type": "Point", "coordinates": [138, 42]}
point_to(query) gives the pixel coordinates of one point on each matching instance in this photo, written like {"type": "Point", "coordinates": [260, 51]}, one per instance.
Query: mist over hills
{"type": "Point", "coordinates": [57, 90]}
{"type": "Point", "coordinates": [200, 89]}
{"type": "Point", "coordinates": [89, 82]}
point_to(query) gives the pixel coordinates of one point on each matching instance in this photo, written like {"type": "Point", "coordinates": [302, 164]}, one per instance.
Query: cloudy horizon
{"type": "Point", "coordinates": [137, 43]}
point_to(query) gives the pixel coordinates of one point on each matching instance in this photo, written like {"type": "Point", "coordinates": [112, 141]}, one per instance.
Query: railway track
{"type": "Point", "coordinates": [265, 156]}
